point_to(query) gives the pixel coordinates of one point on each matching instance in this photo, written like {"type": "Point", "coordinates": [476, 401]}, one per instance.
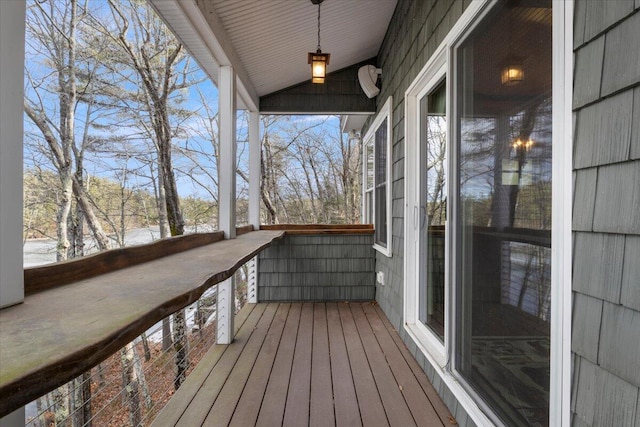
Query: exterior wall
{"type": "Point", "coordinates": [340, 93]}
{"type": "Point", "coordinates": [416, 30]}
{"type": "Point", "coordinates": [606, 214]}
{"type": "Point", "coordinates": [318, 268]}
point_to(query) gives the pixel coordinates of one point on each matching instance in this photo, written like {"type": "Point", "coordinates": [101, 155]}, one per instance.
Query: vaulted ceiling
{"type": "Point", "coordinates": [267, 40]}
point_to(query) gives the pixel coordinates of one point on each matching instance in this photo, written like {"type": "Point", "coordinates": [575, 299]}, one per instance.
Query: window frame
{"type": "Point", "coordinates": [434, 72]}
{"type": "Point", "coordinates": [369, 140]}
{"type": "Point", "coordinates": [440, 357]}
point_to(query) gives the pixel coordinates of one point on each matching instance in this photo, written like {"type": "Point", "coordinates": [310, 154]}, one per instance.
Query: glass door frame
{"type": "Point", "coordinates": [442, 64]}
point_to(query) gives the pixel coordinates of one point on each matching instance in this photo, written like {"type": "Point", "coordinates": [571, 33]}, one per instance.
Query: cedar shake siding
{"type": "Point", "coordinates": [606, 214]}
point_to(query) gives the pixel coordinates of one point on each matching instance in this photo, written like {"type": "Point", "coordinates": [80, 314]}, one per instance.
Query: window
{"type": "Point", "coordinates": [485, 153]}
{"type": "Point", "coordinates": [377, 178]}
{"type": "Point", "coordinates": [433, 208]}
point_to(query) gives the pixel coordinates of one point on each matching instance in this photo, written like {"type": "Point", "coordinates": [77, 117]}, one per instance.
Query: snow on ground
{"type": "Point", "coordinates": [43, 251]}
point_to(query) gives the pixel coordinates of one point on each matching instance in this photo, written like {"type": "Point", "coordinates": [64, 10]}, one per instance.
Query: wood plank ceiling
{"type": "Point", "coordinates": [267, 41]}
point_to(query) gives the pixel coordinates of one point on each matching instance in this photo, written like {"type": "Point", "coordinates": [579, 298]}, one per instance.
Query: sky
{"type": "Point", "coordinates": [195, 172]}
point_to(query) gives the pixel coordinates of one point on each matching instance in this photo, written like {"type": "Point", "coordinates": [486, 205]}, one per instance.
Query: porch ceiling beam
{"type": "Point", "coordinates": [205, 38]}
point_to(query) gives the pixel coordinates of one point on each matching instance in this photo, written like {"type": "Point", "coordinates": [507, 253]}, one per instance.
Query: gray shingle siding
{"type": "Point", "coordinates": [318, 268]}
{"type": "Point", "coordinates": [606, 218]}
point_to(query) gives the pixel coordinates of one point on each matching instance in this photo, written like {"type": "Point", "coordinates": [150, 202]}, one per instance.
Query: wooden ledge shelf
{"type": "Point", "coordinates": [60, 332]}
{"type": "Point", "coordinates": [308, 229]}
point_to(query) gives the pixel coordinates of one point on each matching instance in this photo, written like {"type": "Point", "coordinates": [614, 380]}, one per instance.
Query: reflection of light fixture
{"type": "Point", "coordinates": [512, 72]}
{"type": "Point", "coordinates": [317, 59]}
{"type": "Point", "coordinates": [519, 144]}
{"type": "Point", "coordinates": [512, 75]}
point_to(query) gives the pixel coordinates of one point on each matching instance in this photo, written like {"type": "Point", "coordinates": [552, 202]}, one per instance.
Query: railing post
{"type": "Point", "coordinates": [12, 24]}
{"type": "Point", "coordinates": [14, 419]}
{"type": "Point", "coordinates": [254, 197]}
{"type": "Point", "coordinates": [227, 194]}
{"type": "Point", "coordinates": [225, 311]}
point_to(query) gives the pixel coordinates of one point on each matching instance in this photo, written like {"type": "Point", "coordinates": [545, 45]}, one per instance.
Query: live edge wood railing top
{"type": "Point", "coordinates": [78, 313]}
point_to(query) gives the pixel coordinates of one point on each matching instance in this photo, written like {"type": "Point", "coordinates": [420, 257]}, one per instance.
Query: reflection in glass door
{"type": "Point", "coordinates": [433, 206]}
{"type": "Point", "coordinates": [503, 214]}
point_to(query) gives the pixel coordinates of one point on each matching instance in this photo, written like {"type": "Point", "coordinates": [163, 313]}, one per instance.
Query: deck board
{"type": "Point", "coordinates": [274, 401]}
{"type": "Point", "coordinates": [199, 407]}
{"type": "Point", "coordinates": [334, 364]}
{"type": "Point", "coordinates": [296, 411]}
{"type": "Point", "coordinates": [346, 402]}
{"type": "Point", "coordinates": [254, 390]}
{"type": "Point", "coordinates": [224, 406]}
{"type": "Point", "coordinates": [394, 403]}
{"type": "Point", "coordinates": [365, 384]}
{"type": "Point", "coordinates": [418, 403]}
{"type": "Point", "coordinates": [427, 387]}
{"type": "Point", "coordinates": [321, 411]}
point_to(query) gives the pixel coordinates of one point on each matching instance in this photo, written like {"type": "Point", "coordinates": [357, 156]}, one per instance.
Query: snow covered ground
{"type": "Point", "coordinates": [43, 251]}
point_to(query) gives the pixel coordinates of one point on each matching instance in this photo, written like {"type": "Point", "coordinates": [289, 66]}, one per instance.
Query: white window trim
{"type": "Point", "coordinates": [560, 358]}
{"type": "Point", "coordinates": [384, 113]}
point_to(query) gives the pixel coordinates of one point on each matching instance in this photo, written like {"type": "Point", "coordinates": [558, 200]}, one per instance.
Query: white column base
{"type": "Point", "coordinates": [225, 312]}
{"type": "Point", "coordinates": [252, 285]}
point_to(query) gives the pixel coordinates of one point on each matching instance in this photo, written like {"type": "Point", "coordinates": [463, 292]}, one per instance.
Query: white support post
{"type": "Point", "coordinates": [254, 198]}
{"type": "Point", "coordinates": [254, 169]}
{"type": "Point", "coordinates": [226, 194]}
{"type": "Point", "coordinates": [227, 163]}
{"type": "Point", "coordinates": [12, 25]}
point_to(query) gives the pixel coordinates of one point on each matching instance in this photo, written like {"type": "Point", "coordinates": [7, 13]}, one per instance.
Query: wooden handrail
{"type": "Point", "coordinates": [48, 276]}
{"type": "Point", "coordinates": [294, 229]}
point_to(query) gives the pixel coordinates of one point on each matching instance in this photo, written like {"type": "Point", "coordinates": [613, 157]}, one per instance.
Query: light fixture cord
{"type": "Point", "coordinates": [319, 26]}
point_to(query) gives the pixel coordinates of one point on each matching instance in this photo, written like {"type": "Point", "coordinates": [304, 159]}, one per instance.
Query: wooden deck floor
{"type": "Point", "coordinates": [308, 364]}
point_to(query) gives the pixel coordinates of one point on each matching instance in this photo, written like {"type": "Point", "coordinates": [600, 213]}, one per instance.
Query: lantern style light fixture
{"type": "Point", "coordinates": [317, 59]}
{"type": "Point", "coordinates": [512, 71]}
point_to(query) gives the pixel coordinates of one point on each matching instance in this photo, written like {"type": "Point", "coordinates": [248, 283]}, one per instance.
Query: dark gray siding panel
{"type": "Point", "coordinates": [584, 199]}
{"type": "Point", "coordinates": [597, 267]}
{"type": "Point", "coordinates": [318, 268]}
{"type": "Point", "coordinates": [604, 399]}
{"type": "Point", "coordinates": [606, 219]}
{"type": "Point", "coordinates": [601, 15]}
{"type": "Point", "coordinates": [587, 315]}
{"type": "Point", "coordinates": [622, 62]}
{"type": "Point", "coordinates": [630, 296]}
{"type": "Point", "coordinates": [588, 72]}
{"type": "Point", "coordinates": [341, 93]}
{"type": "Point", "coordinates": [604, 131]}
{"type": "Point", "coordinates": [618, 199]}
{"type": "Point", "coordinates": [620, 342]}
{"type": "Point", "coordinates": [635, 131]}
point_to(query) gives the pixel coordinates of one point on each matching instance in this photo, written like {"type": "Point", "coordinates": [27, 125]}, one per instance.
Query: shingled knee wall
{"type": "Point", "coordinates": [318, 268]}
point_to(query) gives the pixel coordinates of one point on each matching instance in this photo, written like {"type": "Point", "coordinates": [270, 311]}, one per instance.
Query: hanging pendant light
{"type": "Point", "coordinates": [317, 59]}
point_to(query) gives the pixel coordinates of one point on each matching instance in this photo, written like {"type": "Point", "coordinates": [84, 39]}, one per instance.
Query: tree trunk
{"type": "Point", "coordinates": [180, 344]}
{"type": "Point", "coordinates": [145, 346]}
{"type": "Point", "coordinates": [131, 386]}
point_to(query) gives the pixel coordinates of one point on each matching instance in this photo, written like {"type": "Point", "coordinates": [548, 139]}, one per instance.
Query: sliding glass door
{"type": "Point", "coordinates": [502, 235]}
